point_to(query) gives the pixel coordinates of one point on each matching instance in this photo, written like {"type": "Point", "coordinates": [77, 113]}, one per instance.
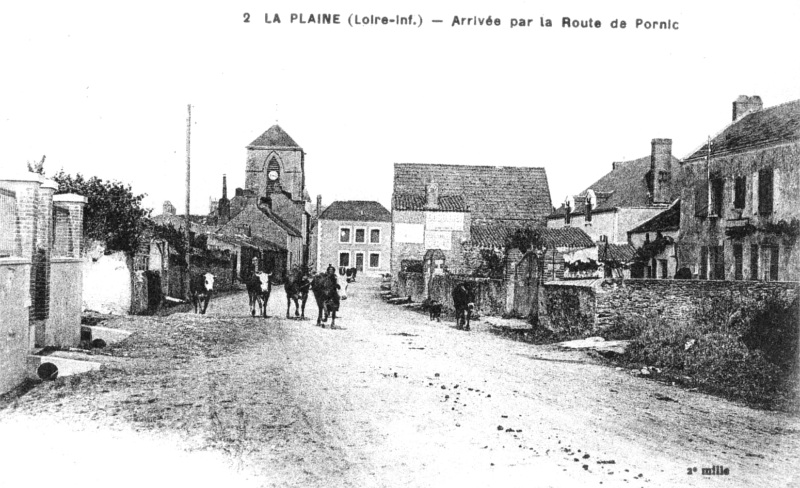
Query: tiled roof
{"type": "Point", "coordinates": [245, 241]}
{"type": "Point", "coordinates": [489, 192]}
{"type": "Point", "coordinates": [624, 186]}
{"type": "Point", "coordinates": [616, 252]}
{"type": "Point", "coordinates": [453, 203]}
{"type": "Point", "coordinates": [772, 125]}
{"type": "Point", "coordinates": [669, 219]}
{"type": "Point", "coordinates": [357, 210]}
{"type": "Point", "coordinates": [274, 137]}
{"type": "Point", "coordinates": [289, 228]}
{"type": "Point", "coordinates": [494, 235]}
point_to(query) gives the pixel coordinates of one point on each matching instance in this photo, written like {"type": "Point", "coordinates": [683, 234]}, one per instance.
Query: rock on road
{"type": "Point", "coordinates": [385, 399]}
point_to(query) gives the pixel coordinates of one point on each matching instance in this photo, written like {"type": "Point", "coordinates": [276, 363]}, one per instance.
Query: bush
{"type": "Point", "coordinates": [743, 349]}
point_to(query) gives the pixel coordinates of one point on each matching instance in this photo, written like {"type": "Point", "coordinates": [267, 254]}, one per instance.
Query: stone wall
{"type": "Point", "coordinates": [677, 299]}
{"type": "Point", "coordinates": [63, 327]}
{"type": "Point", "coordinates": [411, 285]}
{"type": "Point", "coordinates": [569, 307]}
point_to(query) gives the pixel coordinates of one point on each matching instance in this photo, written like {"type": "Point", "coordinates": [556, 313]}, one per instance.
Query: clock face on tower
{"type": "Point", "coordinates": [272, 175]}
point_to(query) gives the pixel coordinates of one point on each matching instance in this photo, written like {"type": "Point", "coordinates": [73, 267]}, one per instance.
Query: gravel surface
{"type": "Point", "coordinates": [385, 399]}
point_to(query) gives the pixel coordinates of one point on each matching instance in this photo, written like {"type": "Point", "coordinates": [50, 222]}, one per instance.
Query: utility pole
{"type": "Point", "coordinates": [187, 223]}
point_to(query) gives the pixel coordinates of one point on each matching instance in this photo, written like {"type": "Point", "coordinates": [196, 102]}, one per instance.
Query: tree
{"type": "Point", "coordinates": [525, 239]}
{"type": "Point", "coordinates": [37, 168]}
{"type": "Point", "coordinates": [113, 214]}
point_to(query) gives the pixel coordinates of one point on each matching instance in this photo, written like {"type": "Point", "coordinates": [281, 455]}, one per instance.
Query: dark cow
{"type": "Point", "coordinates": [435, 309]}
{"type": "Point", "coordinates": [464, 303]}
{"type": "Point", "coordinates": [296, 286]}
{"type": "Point", "coordinates": [326, 294]}
{"type": "Point", "coordinates": [259, 287]}
{"type": "Point", "coordinates": [201, 287]}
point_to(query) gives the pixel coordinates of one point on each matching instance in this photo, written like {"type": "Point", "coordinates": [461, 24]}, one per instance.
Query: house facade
{"type": "Point", "coordinates": [633, 192]}
{"type": "Point", "coordinates": [354, 234]}
{"type": "Point", "coordinates": [655, 238]}
{"type": "Point", "coordinates": [741, 195]}
{"type": "Point", "coordinates": [438, 207]}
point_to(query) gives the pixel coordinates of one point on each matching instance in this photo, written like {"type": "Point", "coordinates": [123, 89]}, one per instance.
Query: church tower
{"type": "Point", "coordinates": [276, 172]}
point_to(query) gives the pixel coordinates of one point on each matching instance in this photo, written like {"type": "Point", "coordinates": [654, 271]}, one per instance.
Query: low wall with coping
{"type": "Point", "coordinates": [678, 299]}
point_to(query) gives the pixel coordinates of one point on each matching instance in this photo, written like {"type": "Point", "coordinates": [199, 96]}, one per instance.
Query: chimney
{"type": "Point", "coordinates": [319, 204]}
{"type": "Point", "coordinates": [224, 205]}
{"type": "Point", "coordinates": [745, 105]}
{"type": "Point", "coordinates": [432, 195]}
{"type": "Point", "coordinates": [224, 186]}
{"type": "Point", "coordinates": [239, 192]}
{"type": "Point", "coordinates": [660, 170]}
{"type": "Point", "coordinates": [169, 208]}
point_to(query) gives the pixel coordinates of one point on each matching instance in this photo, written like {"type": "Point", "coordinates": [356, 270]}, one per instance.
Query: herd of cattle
{"type": "Point", "coordinates": [326, 290]}
{"type": "Point", "coordinates": [297, 285]}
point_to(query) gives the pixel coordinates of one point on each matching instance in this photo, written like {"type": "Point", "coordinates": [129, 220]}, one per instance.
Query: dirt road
{"type": "Point", "coordinates": [386, 399]}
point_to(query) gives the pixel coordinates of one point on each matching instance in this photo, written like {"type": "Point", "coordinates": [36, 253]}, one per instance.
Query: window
{"type": "Point", "coordinates": [588, 211]}
{"type": "Point", "coordinates": [704, 262]}
{"type": "Point", "coordinates": [717, 193]}
{"type": "Point", "coordinates": [701, 200]}
{"type": "Point", "coordinates": [374, 236]}
{"type": "Point", "coordinates": [737, 262]}
{"type": "Point", "coordinates": [765, 191]}
{"type": "Point", "coordinates": [739, 191]}
{"type": "Point", "coordinates": [361, 235]}
{"type": "Point", "coordinates": [374, 260]}
{"type": "Point", "coordinates": [344, 234]}
{"type": "Point", "coordinates": [344, 259]}
{"type": "Point", "coordinates": [717, 257]}
{"type": "Point", "coordinates": [754, 262]}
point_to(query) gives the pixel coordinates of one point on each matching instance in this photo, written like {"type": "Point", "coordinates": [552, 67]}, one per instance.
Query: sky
{"type": "Point", "coordinates": [102, 88]}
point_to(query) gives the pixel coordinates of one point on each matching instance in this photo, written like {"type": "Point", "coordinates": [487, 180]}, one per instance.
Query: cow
{"type": "Point", "coordinates": [326, 294]}
{"type": "Point", "coordinates": [201, 287]}
{"type": "Point", "coordinates": [296, 286]}
{"type": "Point", "coordinates": [259, 287]}
{"type": "Point", "coordinates": [464, 303]}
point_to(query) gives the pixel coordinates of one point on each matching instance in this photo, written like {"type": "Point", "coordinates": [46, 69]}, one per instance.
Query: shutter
{"type": "Point", "coordinates": [704, 262]}
{"type": "Point", "coordinates": [765, 191]}
{"type": "Point", "coordinates": [701, 200]}
{"type": "Point", "coordinates": [754, 262]}
{"type": "Point", "coordinates": [755, 193]}
{"type": "Point", "coordinates": [773, 264]}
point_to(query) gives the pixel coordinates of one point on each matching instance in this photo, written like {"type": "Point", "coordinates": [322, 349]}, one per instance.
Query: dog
{"type": "Point", "coordinates": [435, 310]}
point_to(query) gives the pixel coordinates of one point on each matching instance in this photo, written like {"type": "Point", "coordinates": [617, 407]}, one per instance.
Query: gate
{"type": "Point", "coordinates": [526, 286]}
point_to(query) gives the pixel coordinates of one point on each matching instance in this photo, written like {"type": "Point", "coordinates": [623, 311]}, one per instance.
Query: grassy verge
{"type": "Point", "coordinates": [746, 352]}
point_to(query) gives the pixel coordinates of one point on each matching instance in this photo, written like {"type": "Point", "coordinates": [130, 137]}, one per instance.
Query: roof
{"type": "Point", "coordinates": [245, 241]}
{"type": "Point", "coordinates": [489, 192]}
{"type": "Point", "coordinates": [495, 235]}
{"type": "Point", "coordinates": [668, 220]}
{"type": "Point", "coordinates": [289, 228]}
{"type": "Point", "coordinates": [615, 252]}
{"type": "Point", "coordinates": [274, 137]}
{"type": "Point", "coordinates": [453, 203]}
{"type": "Point", "coordinates": [773, 125]}
{"type": "Point", "coordinates": [625, 186]}
{"type": "Point", "coordinates": [357, 210]}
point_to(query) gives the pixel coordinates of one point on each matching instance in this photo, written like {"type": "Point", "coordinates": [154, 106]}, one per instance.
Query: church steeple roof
{"type": "Point", "coordinates": [274, 137]}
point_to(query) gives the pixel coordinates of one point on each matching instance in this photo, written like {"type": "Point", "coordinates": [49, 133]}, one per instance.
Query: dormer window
{"type": "Point", "coordinates": [591, 203]}
{"type": "Point", "coordinates": [569, 206]}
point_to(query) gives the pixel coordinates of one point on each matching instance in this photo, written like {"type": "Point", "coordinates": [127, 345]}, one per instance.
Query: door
{"type": "Point", "coordinates": [360, 262]}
